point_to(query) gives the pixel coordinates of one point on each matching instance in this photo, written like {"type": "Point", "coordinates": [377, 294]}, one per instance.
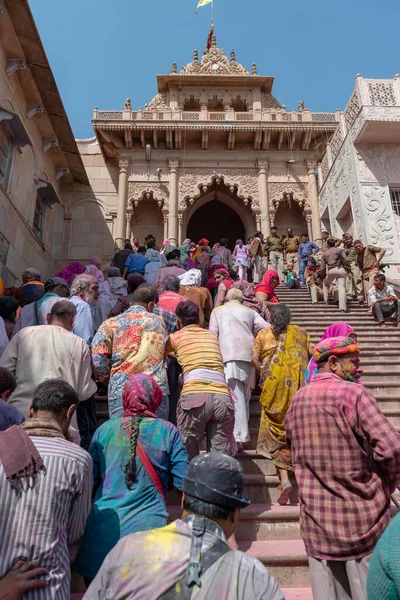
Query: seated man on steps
{"type": "Point", "coordinates": [190, 558]}
{"type": "Point", "coordinates": [384, 301]}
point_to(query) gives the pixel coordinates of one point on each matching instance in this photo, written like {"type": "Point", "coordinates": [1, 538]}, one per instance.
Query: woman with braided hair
{"type": "Point", "coordinates": [134, 459]}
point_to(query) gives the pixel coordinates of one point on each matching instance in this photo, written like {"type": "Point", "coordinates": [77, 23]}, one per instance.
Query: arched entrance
{"type": "Point", "coordinates": [214, 220]}
{"type": "Point", "coordinates": [290, 212]}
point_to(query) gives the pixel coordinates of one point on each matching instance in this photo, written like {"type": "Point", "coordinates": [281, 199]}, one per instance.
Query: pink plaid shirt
{"type": "Point", "coordinates": [346, 457]}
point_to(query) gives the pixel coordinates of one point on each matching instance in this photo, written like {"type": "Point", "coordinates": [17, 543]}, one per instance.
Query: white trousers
{"type": "Point", "coordinates": [242, 392]}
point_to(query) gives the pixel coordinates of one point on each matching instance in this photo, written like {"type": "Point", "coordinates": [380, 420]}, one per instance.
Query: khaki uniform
{"type": "Point", "coordinates": [329, 263]}
{"type": "Point", "coordinates": [366, 263]}
{"type": "Point", "coordinates": [354, 287]}
{"type": "Point", "coordinates": [274, 248]}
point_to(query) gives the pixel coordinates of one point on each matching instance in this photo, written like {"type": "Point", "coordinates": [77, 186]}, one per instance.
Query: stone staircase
{"type": "Point", "coordinates": [267, 530]}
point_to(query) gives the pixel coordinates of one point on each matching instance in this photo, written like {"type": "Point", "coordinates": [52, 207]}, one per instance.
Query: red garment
{"type": "Point", "coordinates": [141, 396]}
{"type": "Point", "coordinates": [228, 282]}
{"type": "Point", "coordinates": [346, 458]}
{"type": "Point", "coordinates": [265, 286]}
{"type": "Point", "coordinates": [170, 300]}
{"type": "Point", "coordinates": [211, 283]}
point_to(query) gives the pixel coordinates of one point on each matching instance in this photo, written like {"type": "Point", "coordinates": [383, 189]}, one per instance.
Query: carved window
{"type": "Point", "coordinates": [38, 219]}
{"type": "Point", "coordinates": [5, 152]}
{"type": "Point", "coordinates": [395, 198]}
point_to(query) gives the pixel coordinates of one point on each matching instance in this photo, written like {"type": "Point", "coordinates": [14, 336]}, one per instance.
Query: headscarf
{"type": "Point", "coordinates": [228, 281]}
{"type": "Point", "coordinates": [95, 272]}
{"type": "Point", "coordinates": [339, 329]}
{"type": "Point", "coordinates": [153, 256]}
{"type": "Point", "coordinates": [266, 288]}
{"type": "Point", "coordinates": [215, 265]}
{"type": "Point", "coordinates": [141, 397]}
{"type": "Point", "coordinates": [202, 243]}
{"type": "Point", "coordinates": [70, 271]}
{"type": "Point", "coordinates": [118, 287]}
{"type": "Point", "coordinates": [216, 261]}
{"type": "Point", "coordinates": [335, 346]}
{"type": "Point", "coordinates": [250, 300]}
{"type": "Point", "coordinates": [184, 250]}
{"type": "Point", "coordinates": [191, 277]}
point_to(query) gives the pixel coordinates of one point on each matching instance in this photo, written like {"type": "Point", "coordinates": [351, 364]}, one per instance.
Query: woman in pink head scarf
{"type": "Point", "coordinates": [133, 461]}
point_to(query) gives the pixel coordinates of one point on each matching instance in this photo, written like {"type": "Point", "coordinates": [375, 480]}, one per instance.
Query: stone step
{"type": "Point", "coordinates": [286, 560]}
{"type": "Point", "coordinates": [261, 522]}
{"type": "Point", "coordinates": [263, 489]}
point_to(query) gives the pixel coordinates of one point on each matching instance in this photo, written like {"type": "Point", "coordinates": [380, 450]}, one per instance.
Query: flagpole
{"type": "Point", "coordinates": [212, 13]}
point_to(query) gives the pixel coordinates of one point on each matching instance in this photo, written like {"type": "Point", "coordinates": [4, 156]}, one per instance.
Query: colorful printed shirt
{"type": "Point", "coordinates": [146, 565]}
{"type": "Point", "coordinates": [126, 345]}
{"type": "Point", "coordinates": [346, 458]}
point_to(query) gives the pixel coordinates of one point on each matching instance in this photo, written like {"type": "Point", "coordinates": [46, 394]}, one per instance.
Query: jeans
{"type": "Point", "coordinates": [303, 266]}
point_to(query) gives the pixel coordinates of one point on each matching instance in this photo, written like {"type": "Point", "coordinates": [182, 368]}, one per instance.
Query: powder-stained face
{"type": "Point", "coordinates": [350, 368]}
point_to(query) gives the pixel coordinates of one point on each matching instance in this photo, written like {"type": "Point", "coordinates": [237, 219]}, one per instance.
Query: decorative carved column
{"type": "Point", "coordinates": [180, 235]}
{"type": "Point", "coordinates": [309, 228]}
{"type": "Point", "coordinates": [122, 200]}
{"type": "Point", "coordinates": [165, 221]}
{"type": "Point", "coordinates": [258, 221]}
{"type": "Point", "coordinates": [128, 232]}
{"type": "Point", "coordinates": [263, 197]}
{"type": "Point", "coordinates": [173, 201]}
{"type": "Point", "coordinates": [313, 201]}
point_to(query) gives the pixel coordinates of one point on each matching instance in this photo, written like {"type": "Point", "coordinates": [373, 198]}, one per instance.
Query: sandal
{"type": "Point", "coordinates": [285, 490]}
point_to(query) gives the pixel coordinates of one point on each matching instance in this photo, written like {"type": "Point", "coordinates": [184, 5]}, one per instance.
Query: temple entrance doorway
{"type": "Point", "coordinates": [215, 220]}
{"type": "Point", "coordinates": [290, 214]}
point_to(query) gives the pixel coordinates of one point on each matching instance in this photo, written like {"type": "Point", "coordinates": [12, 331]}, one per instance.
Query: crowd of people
{"type": "Point", "coordinates": [178, 339]}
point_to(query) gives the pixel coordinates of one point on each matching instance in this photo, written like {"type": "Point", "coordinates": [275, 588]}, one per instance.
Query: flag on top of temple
{"type": "Point", "coordinates": [202, 3]}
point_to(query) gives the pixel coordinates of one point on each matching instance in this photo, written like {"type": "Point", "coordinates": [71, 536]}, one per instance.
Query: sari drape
{"type": "Point", "coordinates": [282, 375]}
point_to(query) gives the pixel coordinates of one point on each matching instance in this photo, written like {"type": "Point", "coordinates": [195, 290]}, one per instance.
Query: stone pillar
{"type": "Point", "coordinates": [313, 201]}
{"type": "Point", "coordinates": [258, 222]}
{"type": "Point", "coordinates": [165, 221]}
{"type": "Point", "coordinates": [173, 202]}
{"type": "Point", "coordinates": [120, 229]}
{"type": "Point", "coordinates": [263, 197]}
{"type": "Point", "coordinates": [309, 227]}
{"type": "Point", "coordinates": [180, 235]}
{"type": "Point", "coordinates": [128, 232]}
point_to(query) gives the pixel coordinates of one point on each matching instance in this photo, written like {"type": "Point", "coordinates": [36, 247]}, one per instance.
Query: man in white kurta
{"type": "Point", "coordinates": [48, 351]}
{"type": "Point", "coordinates": [234, 325]}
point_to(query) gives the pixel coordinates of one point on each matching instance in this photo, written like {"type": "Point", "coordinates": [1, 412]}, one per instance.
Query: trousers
{"type": "Point", "coordinates": [339, 274]}
{"type": "Point", "coordinates": [212, 414]}
{"type": "Point", "coordinates": [367, 279]}
{"type": "Point", "coordinates": [353, 283]}
{"type": "Point", "coordinates": [339, 580]}
{"type": "Point", "coordinates": [257, 270]}
{"type": "Point", "coordinates": [383, 310]}
{"type": "Point", "coordinates": [276, 260]}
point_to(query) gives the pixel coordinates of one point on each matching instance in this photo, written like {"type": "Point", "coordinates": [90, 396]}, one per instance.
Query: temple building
{"type": "Point", "coordinates": [213, 154]}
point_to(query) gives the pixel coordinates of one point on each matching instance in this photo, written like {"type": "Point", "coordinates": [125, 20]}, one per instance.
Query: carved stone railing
{"type": "Point", "coordinates": [278, 116]}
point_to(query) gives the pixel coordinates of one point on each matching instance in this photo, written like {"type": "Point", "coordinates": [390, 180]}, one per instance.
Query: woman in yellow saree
{"type": "Point", "coordinates": [281, 353]}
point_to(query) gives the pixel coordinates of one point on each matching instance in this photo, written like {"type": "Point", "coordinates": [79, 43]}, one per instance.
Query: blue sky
{"type": "Point", "coordinates": [103, 51]}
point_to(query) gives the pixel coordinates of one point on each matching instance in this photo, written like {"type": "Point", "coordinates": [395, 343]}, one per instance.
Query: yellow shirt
{"type": "Point", "coordinates": [197, 348]}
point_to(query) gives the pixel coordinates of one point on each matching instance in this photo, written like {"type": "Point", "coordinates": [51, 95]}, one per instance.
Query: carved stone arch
{"type": "Point", "coordinates": [158, 192]}
{"type": "Point", "coordinates": [281, 192]}
{"type": "Point", "coordinates": [241, 182]}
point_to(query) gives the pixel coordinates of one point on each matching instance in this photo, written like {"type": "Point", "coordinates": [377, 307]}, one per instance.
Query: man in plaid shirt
{"type": "Point", "coordinates": [346, 457]}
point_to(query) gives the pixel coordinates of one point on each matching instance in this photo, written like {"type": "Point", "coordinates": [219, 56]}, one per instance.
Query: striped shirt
{"type": "Point", "coordinates": [197, 348]}
{"type": "Point", "coordinates": [40, 523]}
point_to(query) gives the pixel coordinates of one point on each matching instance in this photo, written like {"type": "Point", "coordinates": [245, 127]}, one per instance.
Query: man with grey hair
{"type": "Point", "coordinates": [84, 294]}
{"type": "Point", "coordinates": [234, 324]}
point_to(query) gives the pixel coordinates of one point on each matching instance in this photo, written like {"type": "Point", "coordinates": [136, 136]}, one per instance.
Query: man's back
{"type": "Point", "coordinates": [44, 352]}
{"type": "Point", "coordinates": [337, 431]}
{"type": "Point", "coordinates": [155, 560]}
{"type": "Point", "coordinates": [233, 324]}
{"type": "Point", "coordinates": [38, 523]}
